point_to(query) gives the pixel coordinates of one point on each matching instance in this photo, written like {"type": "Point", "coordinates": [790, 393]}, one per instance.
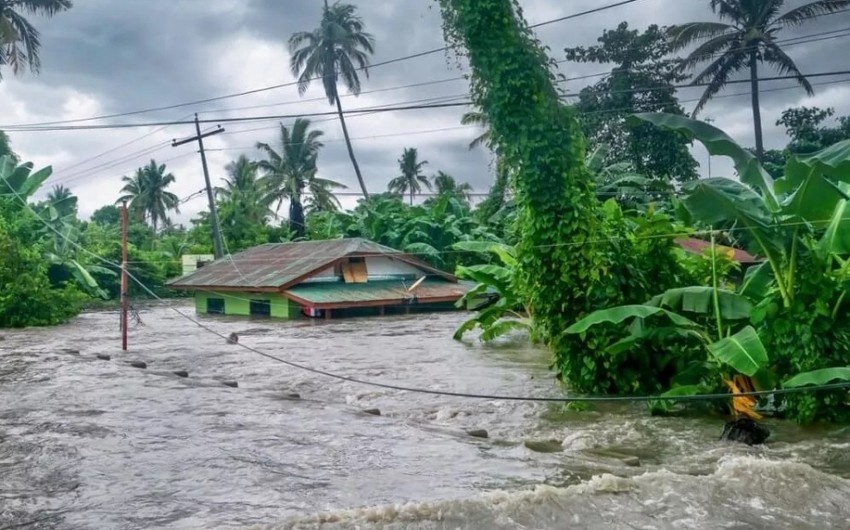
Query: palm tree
{"type": "Point", "coordinates": [292, 169]}
{"type": "Point", "coordinates": [62, 200]}
{"type": "Point", "coordinates": [6, 146]}
{"type": "Point", "coordinates": [146, 192]}
{"type": "Point", "coordinates": [134, 194]}
{"type": "Point", "coordinates": [411, 179]}
{"type": "Point", "coordinates": [446, 184]}
{"type": "Point", "coordinates": [242, 188]}
{"type": "Point", "coordinates": [241, 179]}
{"type": "Point", "coordinates": [745, 37]}
{"type": "Point", "coordinates": [480, 119]}
{"type": "Point", "coordinates": [321, 197]}
{"type": "Point", "coordinates": [20, 42]}
{"type": "Point", "coordinates": [338, 48]}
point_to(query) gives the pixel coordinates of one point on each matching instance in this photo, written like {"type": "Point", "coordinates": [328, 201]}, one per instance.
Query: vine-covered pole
{"type": "Point", "coordinates": [560, 266]}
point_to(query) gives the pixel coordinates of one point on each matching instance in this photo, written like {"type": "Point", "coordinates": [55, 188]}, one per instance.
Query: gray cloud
{"type": "Point", "coordinates": [105, 56]}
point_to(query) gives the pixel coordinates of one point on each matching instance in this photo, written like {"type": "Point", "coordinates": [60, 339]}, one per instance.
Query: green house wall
{"type": "Point", "coordinates": [239, 304]}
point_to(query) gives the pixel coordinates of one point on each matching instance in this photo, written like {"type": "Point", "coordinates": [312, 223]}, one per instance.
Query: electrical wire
{"type": "Point", "coordinates": [417, 390]}
{"type": "Point", "coordinates": [94, 171]}
{"type": "Point", "coordinates": [397, 108]}
{"type": "Point", "coordinates": [294, 83]}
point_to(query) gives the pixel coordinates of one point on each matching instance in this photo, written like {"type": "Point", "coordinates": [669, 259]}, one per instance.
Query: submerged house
{"type": "Point", "coordinates": [340, 277]}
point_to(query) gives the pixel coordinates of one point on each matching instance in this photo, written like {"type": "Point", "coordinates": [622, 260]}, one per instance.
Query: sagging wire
{"type": "Point", "coordinates": [426, 391]}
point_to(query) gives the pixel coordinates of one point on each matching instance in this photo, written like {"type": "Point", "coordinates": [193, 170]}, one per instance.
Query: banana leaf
{"type": "Point", "coordinates": [836, 238]}
{"type": "Point", "coordinates": [506, 253]}
{"type": "Point", "coordinates": [616, 315]}
{"type": "Point", "coordinates": [718, 143]}
{"type": "Point", "coordinates": [818, 377]}
{"type": "Point", "coordinates": [700, 300]}
{"type": "Point", "coordinates": [743, 351]}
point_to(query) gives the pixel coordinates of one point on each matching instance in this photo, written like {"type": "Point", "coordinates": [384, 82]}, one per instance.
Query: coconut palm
{"type": "Point", "coordinates": [334, 51]}
{"type": "Point", "coordinates": [320, 196]}
{"type": "Point", "coordinates": [243, 189]}
{"type": "Point", "coordinates": [20, 42]}
{"type": "Point", "coordinates": [134, 195]}
{"type": "Point", "coordinates": [479, 119]}
{"type": "Point", "coordinates": [292, 169]}
{"type": "Point", "coordinates": [241, 179]}
{"type": "Point", "coordinates": [6, 147]}
{"type": "Point", "coordinates": [445, 184]}
{"type": "Point", "coordinates": [745, 37]}
{"type": "Point", "coordinates": [411, 179]}
{"type": "Point", "coordinates": [62, 200]}
{"type": "Point", "coordinates": [146, 192]}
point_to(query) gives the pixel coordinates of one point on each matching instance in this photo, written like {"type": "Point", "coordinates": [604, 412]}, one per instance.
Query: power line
{"type": "Point", "coordinates": [294, 83]}
{"type": "Point", "coordinates": [398, 108]}
{"type": "Point", "coordinates": [64, 179]}
{"type": "Point", "coordinates": [466, 395]}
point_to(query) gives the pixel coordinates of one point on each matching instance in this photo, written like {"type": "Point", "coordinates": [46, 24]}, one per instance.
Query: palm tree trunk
{"type": "Point", "coordinates": [411, 196]}
{"type": "Point", "coordinates": [348, 145]}
{"type": "Point", "coordinates": [754, 82]}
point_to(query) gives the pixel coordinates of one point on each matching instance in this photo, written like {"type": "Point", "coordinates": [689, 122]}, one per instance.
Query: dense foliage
{"type": "Point", "coordinates": [642, 79]}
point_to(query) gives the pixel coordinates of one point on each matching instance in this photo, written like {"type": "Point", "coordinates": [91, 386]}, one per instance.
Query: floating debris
{"type": "Point", "coordinates": [181, 373]}
{"type": "Point", "coordinates": [745, 430]}
{"type": "Point", "coordinates": [233, 338]}
{"type": "Point", "coordinates": [478, 433]}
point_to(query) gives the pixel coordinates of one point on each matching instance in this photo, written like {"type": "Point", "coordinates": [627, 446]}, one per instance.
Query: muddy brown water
{"type": "Point", "coordinates": [89, 444]}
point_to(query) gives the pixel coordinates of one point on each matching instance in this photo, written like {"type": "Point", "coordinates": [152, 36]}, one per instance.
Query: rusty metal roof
{"type": "Point", "coordinates": [279, 265]}
{"type": "Point", "coordinates": [698, 246]}
{"type": "Point", "coordinates": [340, 294]}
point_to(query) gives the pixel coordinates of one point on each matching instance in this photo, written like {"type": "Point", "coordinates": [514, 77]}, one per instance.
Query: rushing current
{"type": "Point", "coordinates": [90, 444]}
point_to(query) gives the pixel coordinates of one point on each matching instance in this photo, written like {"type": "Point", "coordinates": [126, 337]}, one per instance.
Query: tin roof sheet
{"type": "Point", "coordinates": [697, 246]}
{"type": "Point", "coordinates": [275, 265]}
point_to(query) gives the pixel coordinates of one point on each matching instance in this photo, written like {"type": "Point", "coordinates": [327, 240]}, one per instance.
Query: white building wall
{"type": "Point", "coordinates": [380, 266]}
{"type": "Point", "coordinates": [377, 267]}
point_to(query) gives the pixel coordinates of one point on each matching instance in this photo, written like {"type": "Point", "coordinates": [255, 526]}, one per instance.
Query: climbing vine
{"type": "Point", "coordinates": [512, 82]}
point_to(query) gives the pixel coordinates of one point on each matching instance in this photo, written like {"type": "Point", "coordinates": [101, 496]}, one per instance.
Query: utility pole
{"type": "Point", "coordinates": [218, 246]}
{"type": "Point", "coordinates": [125, 303]}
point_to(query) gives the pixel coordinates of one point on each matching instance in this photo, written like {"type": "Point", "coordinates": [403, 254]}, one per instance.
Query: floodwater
{"type": "Point", "coordinates": [87, 443]}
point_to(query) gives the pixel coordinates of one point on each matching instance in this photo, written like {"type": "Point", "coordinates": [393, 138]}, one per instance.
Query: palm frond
{"type": "Point", "coordinates": [683, 35]}
{"type": "Point", "coordinates": [797, 16]}
{"type": "Point", "coordinates": [774, 55]}
{"type": "Point", "coordinates": [718, 73]}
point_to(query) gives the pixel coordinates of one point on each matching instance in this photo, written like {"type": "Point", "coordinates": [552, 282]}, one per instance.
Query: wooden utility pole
{"type": "Point", "coordinates": [125, 302]}
{"type": "Point", "coordinates": [218, 245]}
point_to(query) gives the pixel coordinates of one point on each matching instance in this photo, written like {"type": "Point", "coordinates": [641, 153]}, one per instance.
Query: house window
{"type": "Point", "coordinates": [354, 271]}
{"type": "Point", "coordinates": [261, 308]}
{"type": "Point", "coordinates": [215, 306]}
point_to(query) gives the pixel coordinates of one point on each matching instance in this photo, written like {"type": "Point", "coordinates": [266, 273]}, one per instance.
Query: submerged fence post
{"type": "Point", "coordinates": [124, 284]}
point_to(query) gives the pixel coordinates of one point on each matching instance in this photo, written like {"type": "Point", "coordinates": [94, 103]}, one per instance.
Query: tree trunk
{"type": "Point", "coordinates": [754, 84]}
{"type": "Point", "coordinates": [296, 218]}
{"type": "Point", "coordinates": [348, 145]}
{"type": "Point", "coordinates": [411, 196]}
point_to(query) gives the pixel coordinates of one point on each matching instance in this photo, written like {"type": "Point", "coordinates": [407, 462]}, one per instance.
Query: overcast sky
{"type": "Point", "coordinates": [107, 56]}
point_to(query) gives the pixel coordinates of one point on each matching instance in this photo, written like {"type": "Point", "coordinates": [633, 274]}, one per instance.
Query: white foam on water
{"type": "Point", "coordinates": [742, 492]}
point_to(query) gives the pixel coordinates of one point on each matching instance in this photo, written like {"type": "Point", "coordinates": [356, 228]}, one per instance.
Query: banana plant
{"type": "Point", "coordinates": [799, 220]}
{"type": "Point", "coordinates": [504, 310]}
{"type": "Point", "coordinates": [717, 319]}
{"type": "Point", "coordinates": [20, 180]}
{"type": "Point", "coordinates": [807, 208]}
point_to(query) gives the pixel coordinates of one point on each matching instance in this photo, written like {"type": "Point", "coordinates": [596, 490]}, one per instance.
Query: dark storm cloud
{"type": "Point", "coordinates": [115, 56]}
